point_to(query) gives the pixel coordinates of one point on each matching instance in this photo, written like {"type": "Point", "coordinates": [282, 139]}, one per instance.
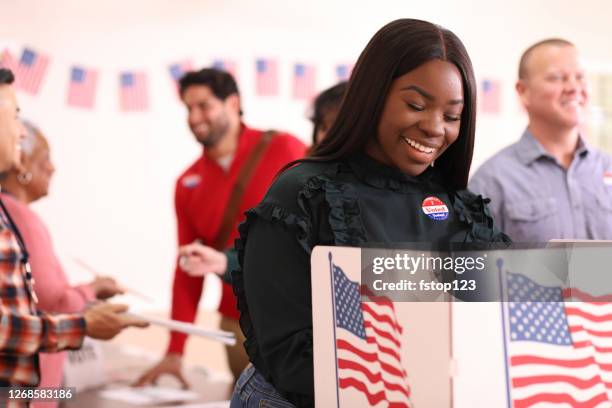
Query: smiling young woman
{"type": "Point", "coordinates": [410, 102]}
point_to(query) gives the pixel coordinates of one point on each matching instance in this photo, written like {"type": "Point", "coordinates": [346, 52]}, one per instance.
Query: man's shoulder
{"type": "Point", "coordinates": [286, 141]}
{"type": "Point", "coordinates": [280, 141]}
{"type": "Point", "coordinates": [603, 157]}
{"type": "Point", "coordinates": [500, 162]}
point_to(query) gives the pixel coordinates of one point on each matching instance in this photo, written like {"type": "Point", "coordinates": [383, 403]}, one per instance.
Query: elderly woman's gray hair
{"type": "Point", "coordinates": [31, 138]}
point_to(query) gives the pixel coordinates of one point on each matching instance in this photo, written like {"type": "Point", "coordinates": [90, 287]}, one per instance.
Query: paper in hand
{"type": "Point", "coordinates": [218, 335]}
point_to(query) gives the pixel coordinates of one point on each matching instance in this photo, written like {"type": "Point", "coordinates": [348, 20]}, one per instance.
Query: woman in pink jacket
{"type": "Point", "coordinates": [21, 186]}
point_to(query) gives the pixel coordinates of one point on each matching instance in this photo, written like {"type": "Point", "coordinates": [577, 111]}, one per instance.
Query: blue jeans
{"type": "Point", "coordinates": [253, 391]}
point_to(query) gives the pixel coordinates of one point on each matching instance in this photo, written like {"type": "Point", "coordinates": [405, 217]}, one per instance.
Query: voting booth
{"type": "Point", "coordinates": [539, 333]}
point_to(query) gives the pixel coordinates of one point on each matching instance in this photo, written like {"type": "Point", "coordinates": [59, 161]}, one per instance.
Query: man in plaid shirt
{"type": "Point", "coordinates": [25, 331]}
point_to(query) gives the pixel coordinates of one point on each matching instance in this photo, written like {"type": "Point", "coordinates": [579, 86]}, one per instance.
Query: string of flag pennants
{"type": "Point", "coordinates": [133, 86]}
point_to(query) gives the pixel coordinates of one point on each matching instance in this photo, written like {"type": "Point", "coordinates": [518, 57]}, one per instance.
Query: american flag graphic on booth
{"type": "Point", "coordinates": [368, 347]}
{"type": "Point", "coordinates": [559, 346]}
{"type": "Point", "coordinates": [228, 66]}
{"type": "Point", "coordinates": [266, 77]}
{"type": "Point", "coordinates": [133, 91]}
{"type": "Point", "coordinates": [490, 96]}
{"type": "Point", "coordinates": [30, 70]}
{"type": "Point", "coordinates": [304, 81]}
{"type": "Point", "coordinates": [82, 87]}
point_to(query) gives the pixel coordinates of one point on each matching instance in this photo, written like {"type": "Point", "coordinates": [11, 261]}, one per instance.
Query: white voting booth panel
{"type": "Point", "coordinates": [512, 353]}
{"type": "Point", "coordinates": [424, 346]}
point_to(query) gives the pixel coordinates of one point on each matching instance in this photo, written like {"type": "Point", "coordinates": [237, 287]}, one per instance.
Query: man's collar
{"type": "Point", "coordinates": [530, 149]}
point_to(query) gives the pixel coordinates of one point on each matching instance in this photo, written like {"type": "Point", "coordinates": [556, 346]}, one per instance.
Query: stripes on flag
{"type": "Point", "coordinates": [266, 77]}
{"type": "Point", "coordinates": [82, 87]}
{"type": "Point", "coordinates": [228, 66]}
{"type": "Point", "coordinates": [368, 344]}
{"type": "Point", "coordinates": [133, 91]}
{"type": "Point", "coordinates": [490, 96]}
{"type": "Point", "coordinates": [30, 71]}
{"type": "Point", "coordinates": [304, 81]}
{"type": "Point", "coordinates": [343, 71]}
{"type": "Point", "coordinates": [559, 349]}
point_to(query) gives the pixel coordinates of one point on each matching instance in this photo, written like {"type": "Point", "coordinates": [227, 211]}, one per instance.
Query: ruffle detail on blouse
{"type": "Point", "coordinates": [344, 212]}
{"type": "Point", "coordinates": [344, 215]}
{"type": "Point", "coordinates": [472, 209]}
{"type": "Point", "coordinates": [275, 214]}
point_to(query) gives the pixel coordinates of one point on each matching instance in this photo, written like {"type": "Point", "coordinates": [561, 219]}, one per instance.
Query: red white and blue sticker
{"type": "Point", "coordinates": [607, 178]}
{"type": "Point", "coordinates": [191, 180]}
{"type": "Point", "coordinates": [435, 208]}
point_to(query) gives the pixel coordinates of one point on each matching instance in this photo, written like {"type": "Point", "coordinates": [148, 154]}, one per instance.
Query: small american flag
{"type": "Point", "coordinates": [343, 71]}
{"type": "Point", "coordinates": [30, 71]}
{"type": "Point", "coordinates": [368, 346]}
{"type": "Point", "coordinates": [133, 92]}
{"type": "Point", "coordinates": [177, 70]}
{"type": "Point", "coordinates": [228, 66]}
{"type": "Point", "coordinates": [559, 350]}
{"type": "Point", "coordinates": [266, 77]}
{"type": "Point", "coordinates": [304, 81]}
{"type": "Point", "coordinates": [82, 87]}
{"type": "Point", "coordinates": [490, 96]}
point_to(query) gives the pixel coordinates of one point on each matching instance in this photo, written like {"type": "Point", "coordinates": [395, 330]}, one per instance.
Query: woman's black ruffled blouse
{"type": "Point", "coordinates": [357, 202]}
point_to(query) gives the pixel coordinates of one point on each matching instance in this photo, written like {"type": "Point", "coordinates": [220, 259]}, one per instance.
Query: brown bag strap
{"type": "Point", "coordinates": [242, 181]}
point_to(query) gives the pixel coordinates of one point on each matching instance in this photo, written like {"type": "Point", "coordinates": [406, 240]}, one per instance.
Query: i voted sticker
{"type": "Point", "coordinates": [435, 208]}
{"type": "Point", "coordinates": [191, 180]}
{"type": "Point", "coordinates": [607, 178]}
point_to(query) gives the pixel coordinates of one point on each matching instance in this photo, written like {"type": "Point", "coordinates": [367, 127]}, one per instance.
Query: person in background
{"type": "Point", "coordinates": [551, 183]}
{"type": "Point", "coordinates": [200, 260]}
{"type": "Point", "coordinates": [26, 183]}
{"type": "Point", "coordinates": [325, 109]}
{"type": "Point", "coordinates": [24, 329]}
{"type": "Point", "coordinates": [235, 169]}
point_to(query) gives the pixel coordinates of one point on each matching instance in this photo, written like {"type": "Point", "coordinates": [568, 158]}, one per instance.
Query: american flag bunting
{"type": "Point", "coordinates": [266, 77]}
{"type": "Point", "coordinates": [304, 81]}
{"type": "Point", "coordinates": [133, 91]}
{"type": "Point", "coordinates": [82, 87]}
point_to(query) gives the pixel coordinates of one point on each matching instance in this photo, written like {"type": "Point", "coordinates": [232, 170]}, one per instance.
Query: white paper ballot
{"type": "Point", "coordinates": [148, 395]}
{"type": "Point", "coordinates": [188, 328]}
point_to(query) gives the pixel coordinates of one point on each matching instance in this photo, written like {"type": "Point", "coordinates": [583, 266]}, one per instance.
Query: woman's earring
{"type": "Point", "coordinates": [433, 163]}
{"type": "Point", "coordinates": [24, 178]}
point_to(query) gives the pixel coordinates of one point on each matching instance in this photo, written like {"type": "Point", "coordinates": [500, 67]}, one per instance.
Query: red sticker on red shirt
{"type": "Point", "coordinates": [435, 208]}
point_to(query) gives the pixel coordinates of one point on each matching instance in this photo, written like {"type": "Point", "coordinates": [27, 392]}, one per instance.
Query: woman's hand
{"type": "Point", "coordinates": [105, 287]}
{"type": "Point", "coordinates": [198, 260]}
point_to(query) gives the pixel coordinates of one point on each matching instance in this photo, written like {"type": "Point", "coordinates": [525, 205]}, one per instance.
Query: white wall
{"type": "Point", "coordinates": [111, 199]}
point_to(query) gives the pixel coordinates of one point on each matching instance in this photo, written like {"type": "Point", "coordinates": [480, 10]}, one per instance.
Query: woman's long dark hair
{"type": "Point", "coordinates": [396, 49]}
